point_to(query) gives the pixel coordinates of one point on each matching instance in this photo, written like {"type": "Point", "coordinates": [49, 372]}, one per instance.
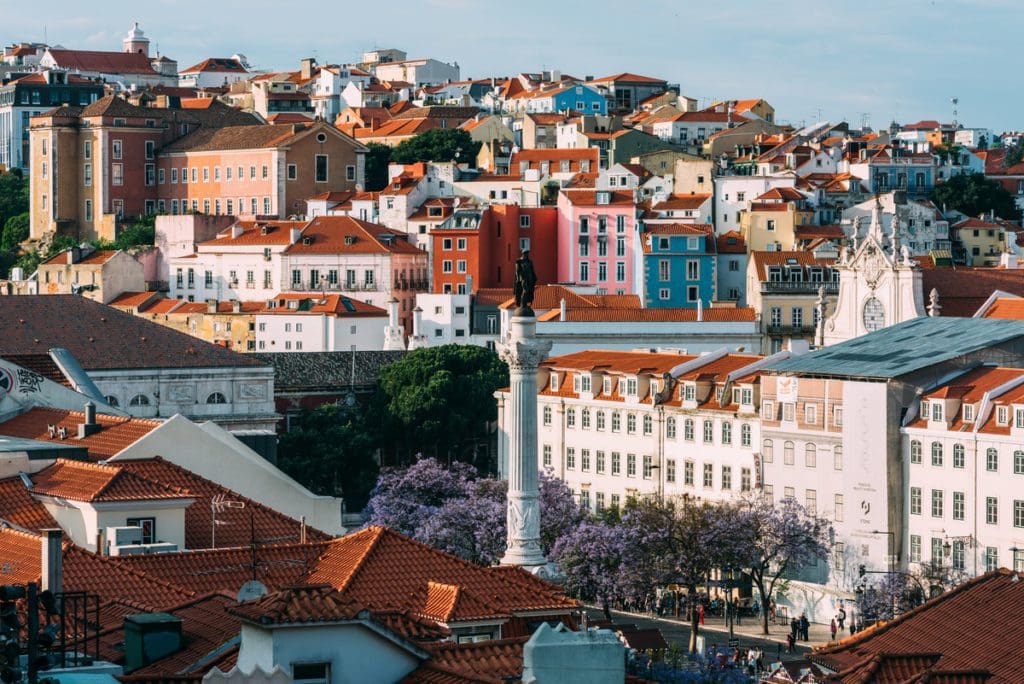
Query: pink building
{"type": "Point", "coordinates": [596, 234]}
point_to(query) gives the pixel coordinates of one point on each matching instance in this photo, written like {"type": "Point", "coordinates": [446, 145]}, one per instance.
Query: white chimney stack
{"type": "Point", "coordinates": [700, 310]}
{"type": "Point", "coordinates": [52, 571]}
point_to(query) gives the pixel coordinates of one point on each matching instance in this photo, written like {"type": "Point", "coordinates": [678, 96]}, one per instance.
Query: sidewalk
{"type": "Point", "coordinates": [750, 628]}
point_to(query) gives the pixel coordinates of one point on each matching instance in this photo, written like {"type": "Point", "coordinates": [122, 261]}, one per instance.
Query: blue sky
{"type": "Point", "coordinates": [884, 58]}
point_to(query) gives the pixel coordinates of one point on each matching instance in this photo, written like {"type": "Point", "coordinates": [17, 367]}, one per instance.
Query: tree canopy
{"type": "Point", "coordinates": [14, 198]}
{"type": "Point", "coordinates": [973, 194]}
{"type": "Point", "coordinates": [16, 231]}
{"type": "Point", "coordinates": [439, 401]}
{"type": "Point", "coordinates": [437, 145]}
{"type": "Point", "coordinates": [454, 510]}
{"type": "Point", "coordinates": [377, 158]}
{"type": "Point", "coordinates": [330, 451]}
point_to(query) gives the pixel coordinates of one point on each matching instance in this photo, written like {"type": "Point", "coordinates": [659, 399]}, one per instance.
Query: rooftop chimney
{"type": "Point", "coordinates": [296, 233]}
{"type": "Point", "coordinates": [307, 67]}
{"type": "Point", "coordinates": [89, 426]}
{"type": "Point", "coordinates": [211, 306]}
{"type": "Point", "coordinates": [52, 573]}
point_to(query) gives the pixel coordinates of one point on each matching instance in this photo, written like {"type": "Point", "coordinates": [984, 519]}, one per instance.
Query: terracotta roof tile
{"type": "Point", "coordinates": [41, 363]}
{"type": "Point", "coordinates": [627, 77]}
{"type": "Point", "coordinates": [92, 482]}
{"type": "Point", "coordinates": [216, 64]}
{"type": "Point", "coordinates": [116, 432]}
{"type": "Point", "coordinates": [1011, 308]}
{"type": "Point", "coordinates": [234, 524]}
{"type": "Point", "coordinates": [344, 234]}
{"type": "Point", "coordinates": [103, 62]}
{"type": "Point", "coordinates": [731, 242]}
{"type": "Point", "coordinates": [233, 138]}
{"type": "Point", "coordinates": [20, 508]}
{"type": "Point", "coordinates": [974, 627]}
{"type": "Point", "coordinates": [588, 198]}
{"type": "Point", "coordinates": [677, 202]}
{"type": "Point", "coordinates": [102, 337]}
{"type": "Point", "coordinates": [762, 260]}
{"type": "Point", "coordinates": [962, 291]}
{"type": "Point", "coordinates": [299, 605]}
{"type": "Point", "coordinates": [498, 660]}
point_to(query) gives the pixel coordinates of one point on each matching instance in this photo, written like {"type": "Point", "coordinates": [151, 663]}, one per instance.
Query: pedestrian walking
{"type": "Point", "coordinates": [791, 640]}
{"type": "Point", "coordinates": [841, 616]}
{"type": "Point", "coordinates": [794, 628]}
{"type": "Point", "coordinates": [805, 627]}
{"type": "Point", "coordinates": [700, 614]}
{"type": "Point", "coordinates": [833, 627]}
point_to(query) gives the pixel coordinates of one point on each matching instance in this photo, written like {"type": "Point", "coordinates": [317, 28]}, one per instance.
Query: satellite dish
{"type": "Point", "coordinates": [252, 590]}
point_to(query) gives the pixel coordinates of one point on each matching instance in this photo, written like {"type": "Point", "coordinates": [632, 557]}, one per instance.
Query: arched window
{"type": "Point", "coordinates": [111, 400]}
{"type": "Point", "coordinates": [936, 453]}
{"type": "Point", "coordinates": [787, 453]}
{"type": "Point", "coordinates": [670, 427]}
{"type": "Point", "coordinates": [648, 425]}
{"type": "Point", "coordinates": [958, 455]}
{"type": "Point", "coordinates": [811, 456]}
{"type": "Point", "coordinates": [915, 451]}
{"type": "Point", "coordinates": [600, 420]}
{"type": "Point", "coordinates": [139, 400]}
{"type": "Point", "coordinates": [709, 431]}
{"type": "Point", "coordinates": [745, 435]}
{"type": "Point", "coordinates": [216, 398]}
{"type": "Point", "coordinates": [630, 423]}
{"type": "Point", "coordinates": [585, 418]}
{"type": "Point", "coordinates": [616, 421]}
{"type": "Point", "coordinates": [768, 451]}
{"type": "Point", "coordinates": [688, 429]}
{"type": "Point", "coordinates": [992, 459]}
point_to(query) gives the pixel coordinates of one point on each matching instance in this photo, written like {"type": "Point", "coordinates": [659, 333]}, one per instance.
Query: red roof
{"type": "Point", "coordinates": [626, 77]}
{"type": "Point", "coordinates": [974, 629]}
{"type": "Point", "coordinates": [692, 201]}
{"type": "Point", "coordinates": [92, 482]}
{"type": "Point", "coordinates": [116, 433]}
{"type": "Point", "coordinates": [103, 62]}
{"type": "Point", "coordinates": [731, 242]}
{"type": "Point", "coordinates": [216, 64]}
{"type": "Point", "coordinates": [588, 198]}
{"type": "Point", "coordinates": [962, 290]}
{"type": "Point", "coordinates": [100, 256]}
{"type": "Point", "coordinates": [781, 193]}
{"type": "Point", "coordinates": [20, 508]}
{"type": "Point", "coordinates": [1011, 308]}
{"type": "Point", "coordinates": [347, 235]}
{"type": "Point", "coordinates": [299, 605]}
{"type": "Point", "coordinates": [331, 305]}
{"type": "Point", "coordinates": [762, 260]}
{"type": "Point", "coordinates": [487, 662]}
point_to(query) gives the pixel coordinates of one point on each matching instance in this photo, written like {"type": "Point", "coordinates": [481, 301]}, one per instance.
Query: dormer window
{"type": "Point", "coordinates": [607, 386]}
{"type": "Point", "coordinates": [719, 393]}
{"type": "Point", "coordinates": [774, 275]}
{"type": "Point", "coordinates": [968, 413]}
{"type": "Point", "coordinates": [735, 395]}
{"type": "Point", "coordinates": [604, 197]}
{"type": "Point", "coordinates": [554, 382]}
{"type": "Point", "coordinates": [936, 407]}
{"type": "Point", "coordinates": [690, 392]}
{"type": "Point", "coordinates": [747, 396]}
{"type": "Point", "coordinates": [1019, 413]}
{"type": "Point", "coordinates": [631, 387]}
{"type": "Point", "coordinates": [655, 386]}
{"type": "Point", "coordinates": [584, 382]}
{"type": "Point", "coordinates": [1002, 415]}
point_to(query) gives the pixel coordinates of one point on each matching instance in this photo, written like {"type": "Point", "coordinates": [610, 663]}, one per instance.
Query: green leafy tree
{"type": "Point", "coordinates": [437, 145]}
{"type": "Point", "coordinates": [14, 197]}
{"type": "Point", "coordinates": [1014, 154]}
{"type": "Point", "coordinates": [973, 194]}
{"type": "Point", "coordinates": [377, 158]}
{"type": "Point", "coordinates": [16, 230]}
{"type": "Point", "coordinates": [330, 451]}
{"type": "Point", "coordinates": [439, 401]}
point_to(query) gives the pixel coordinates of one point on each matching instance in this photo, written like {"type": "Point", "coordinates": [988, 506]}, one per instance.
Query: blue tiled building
{"type": "Point", "coordinates": [679, 265]}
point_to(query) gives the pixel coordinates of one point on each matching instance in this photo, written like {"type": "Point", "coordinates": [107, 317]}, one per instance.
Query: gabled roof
{"type": "Point", "coordinates": [1006, 307]}
{"type": "Point", "coordinates": [216, 64]}
{"type": "Point", "coordinates": [102, 337]}
{"type": "Point", "coordinates": [387, 571]}
{"type": "Point", "coordinates": [627, 77]}
{"type": "Point", "coordinates": [116, 433]}
{"type": "Point", "coordinates": [103, 62]}
{"type": "Point", "coordinates": [347, 235]}
{"type": "Point", "coordinates": [802, 259]}
{"type": "Point", "coordinates": [692, 201]}
{"type": "Point", "coordinates": [234, 138]}
{"type": "Point", "coordinates": [20, 508]}
{"type": "Point", "coordinates": [781, 193]}
{"type": "Point", "coordinates": [963, 290]}
{"type": "Point", "coordinates": [974, 629]}
{"type": "Point", "coordinates": [100, 256]}
{"type": "Point", "coordinates": [487, 662]}
{"type": "Point", "coordinates": [588, 198]}
{"type": "Point", "coordinates": [299, 605]}
{"type": "Point", "coordinates": [731, 242]}
{"type": "Point", "coordinates": [94, 483]}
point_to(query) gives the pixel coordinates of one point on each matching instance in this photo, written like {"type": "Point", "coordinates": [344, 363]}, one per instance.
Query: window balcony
{"type": "Point", "coordinates": [790, 330]}
{"type": "Point", "coordinates": [798, 287]}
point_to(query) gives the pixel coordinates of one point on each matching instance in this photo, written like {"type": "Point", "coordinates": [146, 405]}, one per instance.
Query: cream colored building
{"type": "Point", "coordinates": [783, 288]}
{"type": "Point", "coordinates": [770, 224]}
{"type": "Point", "coordinates": [100, 275]}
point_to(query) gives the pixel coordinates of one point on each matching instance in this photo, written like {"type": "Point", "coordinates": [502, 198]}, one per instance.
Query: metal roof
{"type": "Point", "coordinates": [903, 348]}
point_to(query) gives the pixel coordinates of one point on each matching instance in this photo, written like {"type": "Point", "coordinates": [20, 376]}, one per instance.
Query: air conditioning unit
{"type": "Point", "coordinates": [140, 549]}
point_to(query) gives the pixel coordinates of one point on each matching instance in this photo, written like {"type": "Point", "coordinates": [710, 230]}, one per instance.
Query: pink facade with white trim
{"type": "Point", "coordinates": [597, 232]}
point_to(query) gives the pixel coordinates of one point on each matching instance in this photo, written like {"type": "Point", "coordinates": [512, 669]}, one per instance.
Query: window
{"type": "Point", "coordinates": [570, 418]}
{"type": "Point", "coordinates": [321, 168]}
{"type": "Point", "coordinates": [616, 422]}
{"type": "Point", "coordinates": [688, 473]}
{"type": "Point", "coordinates": [991, 510]}
{"type": "Point", "coordinates": [992, 460]}
{"type": "Point", "coordinates": [958, 455]}
{"type": "Point", "coordinates": [1002, 415]}
{"type": "Point", "coordinates": [88, 213]}
{"type": "Point", "coordinates": [788, 411]}
{"type": "Point", "coordinates": [148, 526]}
{"type": "Point", "coordinates": [915, 548]}
{"type": "Point", "coordinates": [293, 172]}
{"type": "Point", "coordinates": [265, 173]}
{"type": "Point", "coordinates": [208, 279]}
{"type": "Point", "coordinates": [709, 475]}
{"type": "Point", "coordinates": [570, 458]}
{"type": "Point", "coordinates": [116, 149]}
{"type": "Point", "coordinates": [599, 461]}
{"type": "Point", "coordinates": [688, 429]}
{"type": "Point", "coordinates": [350, 173]}
{"type": "Point", "coordinates": [837, 458]}
{"type": "Point", "coordinates": [117, 174]}
{"type": "Point", "coordinates": [311, 673]}
{"type": "Point", "coordinates": [810, 413]}
{"type": "Point", "coordinates": [547, 455]}
{"type": "Point", "coordinates": [630, 465]}
{"type": "Point", "coordinates": [837, 416]}
{"type": "Point", "coordinates": [937, 502]}
{"type": "Point", "coordinates": [1018, 513]}
{"type": "Point", "coordinates": [991, 558]}
{"type": "Point", "coordinates": [810, 456]}
{"type": "Point", "coordinates": [811, 501]}
{"type": "Point", "coordinates": [726, 477]}
{"type": "Point", "coordinates": [915, 501]}
{"type": "Point", "coordinates": [585, 419]}
{"type": "Point", "coordinates": [915, 451]}
{"type": "Point", "coordinates": [87, 149]}
{"type": "Point", "coordinates": [958, 505]}
{"type": "Point", "coordinates": [585, 459]}
{"type": "Point", "coordinates": [216, 398]}
{"type": "Point", "coordinates": [139, 400]}
{"type": "Point", "coordinates": [745, 435]}
{"type": "Point", "coordinates": [837, 508]}
{"type": "Point", "coordinates": [647, 467]}
{"type": "Point", "coordinates": [630, 423]}
{"type": "Point", "coordinates": [787, 453]}
{"type": "Point", "coordinates": [547, 415]}
{"type": "Point", "coordinates": [616, 463]}
{"type": "Point", "coordinates": [648, 425]}
{"type": "Point", "coordinates": [936, 453]}
{"type": "Point", "coordinates": [1018, 462]}
{"type": "Point", "coordinates": [937, 554]}
{"type": "Point", "coordinates": [768, 451]}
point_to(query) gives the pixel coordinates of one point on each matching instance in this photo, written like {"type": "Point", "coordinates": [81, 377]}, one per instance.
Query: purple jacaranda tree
{"type": "Point", "coordinates": [454, 510]}
{"type": "Point", "coordinates": [592, 557]}
{"type": "Point", "coordinates": [776, 538]}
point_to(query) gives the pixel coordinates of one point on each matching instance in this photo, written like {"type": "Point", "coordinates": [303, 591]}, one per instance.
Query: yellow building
{"type": "Point", "coordinates": [783, 289]}
{"type": "Point", "coordinates": [100, 275]}
{"type": "Point", "coordinates": [229, 324]}
{"type": "Point", "coordinates": [983, 241]}
{"type": "Point", "coordinates": [769, 222]}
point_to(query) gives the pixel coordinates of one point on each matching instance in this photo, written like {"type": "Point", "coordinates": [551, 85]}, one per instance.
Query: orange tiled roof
{"type": "Point", "coordinates": [970, 388]}
{"type": "Point", "coordinates": [387, 571]}
{"type": "Point", "coordinates": [100, 256]}
{"type": "Point", "coordinates": [731, 242]}
{"type": "Point", "coordinates": [588, 198]}
{"type": "Point", "coordinates": [92, 482]}
{"type": "Point", "coordinates": [628, 363]}
{"type": "Point", "coordinates": [216, 64]}
{"type": "Point", "coordinates": [975, 628]}
{"type": "Point", "coordinates": [344, 234]}
{"type": "Point", "coordinates": [256, 233]}
{"type": "Point", "coordinates": [762, 260]}
{"type": "Point", "coordinates": [488, 662]}
{"type": "Point", "coordinates": [551, 296]}
{"type": "Point", "coordinates": [270, 526]}
{"type": "Point", "coordinates": [331, 305]}
{"type": "Point", "coordinates": [962, 291]}
{"type": "Point", "coordinates": [116, 434]}
{"type": "Point", "coordinates": [676, 202]}
{"type": "Point", "coordinates": [20, 508]}
{"type": "Point", "coordinates": [131, 299]}
{"type": "Point", "coordinates": [627, 78]}
{"type": "Point", "coordinates": [299, 605]}
{"type": "Point", "coordinates": [781, 193]}
{"type": "Point", "coordinates": [679, 228]}
{"type": "Point", "coordinates": [1011, 308]}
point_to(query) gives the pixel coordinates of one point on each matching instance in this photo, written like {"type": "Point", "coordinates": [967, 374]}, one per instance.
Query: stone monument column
{"type": "Point", "coordinates": [523, 352]}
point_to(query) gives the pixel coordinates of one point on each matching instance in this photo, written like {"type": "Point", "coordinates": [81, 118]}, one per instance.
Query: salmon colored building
{"type": "Point", "coordinates": [477, 247]}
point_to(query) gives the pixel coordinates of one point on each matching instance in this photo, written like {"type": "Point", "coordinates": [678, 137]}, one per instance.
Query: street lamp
{"type": "Point", "coordinates": [967, 540]}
